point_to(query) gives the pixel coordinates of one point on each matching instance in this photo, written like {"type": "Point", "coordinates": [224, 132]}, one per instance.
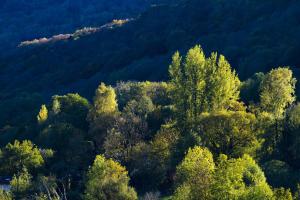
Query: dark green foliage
{"type": "Point", "coordinates": [250, 88]}
{"type": "Point", "coordinates": [280, 174]}
{"type": "Point", "coordinates": [18, 155]}
{"type": "Point", "coordinates": [171, 137]}
{"type": "Point", "coordinates": [141, 49]}
{"type": "Point", "coordinates": [230, 133]}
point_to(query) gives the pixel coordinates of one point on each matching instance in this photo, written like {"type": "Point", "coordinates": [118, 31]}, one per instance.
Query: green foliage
{"type": "Point", "coordinates": [21, 184]}
{"type": "Point", "coordinates": [194, 175]}
{"type": "Point", "coordinates": [72, 152]}
{"type": "Point", "coordinates": [18, 155]}
{"type": "Point", "coordinates": [5, 195]}
{"type": "Point", "coordinates": [129, 129]}
{"type": "Point", "coordinates": [141, 107]}
{"type": "Point", "coordinates": [277, 91]}
{"type": "Point", "coordinates": [70, 108]}
{"type": "Point", "coordinates": [102, 114]}
{"type": "Point", "coordinates": [166, 135]}
{"type": "Point", "coordinates": [240, 178]}
{"type": "Point", "coordinates": [43, 114]}
{"type": "Point", "coordinates": [280, 174]}
{"type": "Point", "coordinates": [230, 133]}
{"type": "Point", "coordinates": [128, 91]}
{"type": "Point", "coordinates": [283, 194]}
{"type": "Point", "coordinates": [201, 84]}
{"type": "Point", "coordinates": [150, 163]}
{"type": "Point", "coordinates": [107, 179]}
{"type": "Point", "coordinates": [250, 88]}
{"type": "Point", "coordinates": [291, 135]}
{"type": "Point", "coordinates": [104, 101]}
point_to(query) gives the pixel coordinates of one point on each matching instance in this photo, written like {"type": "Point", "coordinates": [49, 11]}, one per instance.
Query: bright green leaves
{"type": "Point", "coordinates": [107, 179]}
{"type": "Point", "coordinates": [277, 91]}
{"type": "Point", "coordinates": [201, 84]}
{"type": "Point", "coordinates": [194, 175]}
{"type": "Point", "coordinates": [18, 155]}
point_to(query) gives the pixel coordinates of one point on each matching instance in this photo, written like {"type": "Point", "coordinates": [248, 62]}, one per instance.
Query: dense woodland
{"type": "Point", "coordinates": [202, 134]}
{"type": "Point", "coordinates": [254, 36]}
{"type": "Point", "coordinates": [134, 110]}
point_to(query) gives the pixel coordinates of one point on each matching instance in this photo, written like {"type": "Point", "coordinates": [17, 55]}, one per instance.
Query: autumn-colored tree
{"type": "Point", "coordinates": [43, 114]}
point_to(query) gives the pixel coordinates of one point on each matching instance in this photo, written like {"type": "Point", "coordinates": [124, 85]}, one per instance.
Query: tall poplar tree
{"type": "Point", "coordinates": [201, 84]}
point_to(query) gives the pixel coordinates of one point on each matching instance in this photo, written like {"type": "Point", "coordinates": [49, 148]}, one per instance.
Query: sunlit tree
{"type": "Point", "coordinates": [107, 179]}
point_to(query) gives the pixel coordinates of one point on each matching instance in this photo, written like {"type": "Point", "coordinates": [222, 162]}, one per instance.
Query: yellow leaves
{"type": "Point", "coordinates": [105, 103]}
{"type": "Point", "coordinates": [43, 114]}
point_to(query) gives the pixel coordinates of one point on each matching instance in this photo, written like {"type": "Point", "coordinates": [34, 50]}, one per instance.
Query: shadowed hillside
{"type": "Point", "coordinates": [253, 35]}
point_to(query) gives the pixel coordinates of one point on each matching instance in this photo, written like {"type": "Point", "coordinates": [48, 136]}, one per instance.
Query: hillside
{"type": "Point", "coordinates": [150, 100]}
{"type": "Point", "coordinates": [253, 35]}
{"type": "Point", "coordinates": [30, 19]}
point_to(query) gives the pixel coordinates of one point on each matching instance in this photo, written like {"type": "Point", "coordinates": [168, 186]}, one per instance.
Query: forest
{"type": "Point", "coordinates": [254, 36]}
{"type": "Point", "coordinates": [201, 134]}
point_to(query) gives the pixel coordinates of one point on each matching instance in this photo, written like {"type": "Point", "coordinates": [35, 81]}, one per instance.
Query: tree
{"type": "Point", "coordinates": [128, 91]}
{"type": "Point", "coordinates": [43, 114]}
{"type": "Point", "coordinates": [73, 152]}
{"type": "Point", "coordinates": [70, 108]}
{"type": "Point", "coordinates": [280, 174]}
{"type": "Point", "coordinates": [107, 179]}
{"type": "Point", "coordinates": [250, 88]}
{"type": "Point", "coordinates": [277, 91]}
{"type": "Point", "coordinates": [150, 164]}
{"type": "Point", "coordinates": [21, 184]}
{"type": "Point", "coordinates": [200, 84]}
{"type": "Point", "coordinates": [292, 135]}
{"type": "Point", "coordinates": [129, 130]}
{"type": "Point", "coordinates": [230, 133]}
{"type": "Point", "coordinates": [240, 178]}
{"type": "Point", "coordinates": [194, 175]}
{"type": "Point", "coordinates": [141, 107]}
{"type": "Point", "coordinates": [14, 157]}
{"type": "Point", "coordinates": [102, 114]}
{"type": "Point", "coordinates": [104, 102]}
{"type": "Point", "coordinates": [283, 194]}
{"type": "Point", "coordinates": [5, 195]}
